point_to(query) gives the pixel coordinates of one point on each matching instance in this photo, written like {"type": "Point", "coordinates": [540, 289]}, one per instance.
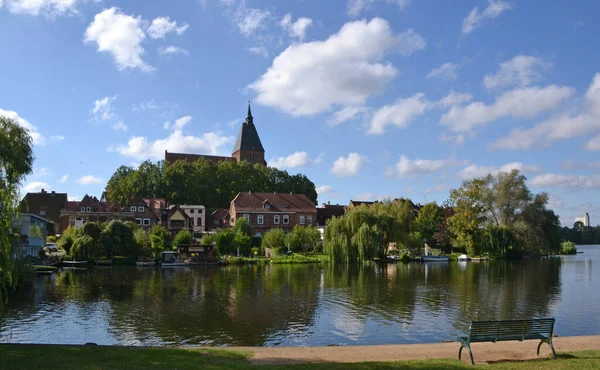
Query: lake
{"type": "Point", "coordinates": [300, 305]}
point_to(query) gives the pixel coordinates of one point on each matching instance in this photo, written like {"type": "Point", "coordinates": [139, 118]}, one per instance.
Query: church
{"type": "Point", "coordinates": [247, 147]}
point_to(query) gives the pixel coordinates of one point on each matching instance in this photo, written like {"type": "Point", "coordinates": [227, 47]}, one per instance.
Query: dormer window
{"type": "Point", "coordinates": [267, 205]}
{"type": "Point", "coordinates": [88, 209]}
{"type": "Point", "coordinates": [82, 209]}
{"type": "Point", "coordinates": [140, 208]}
{"type": "Point", "coordinates": [43, 210]}
{"type": "Point", "coordinates": [132, 208]}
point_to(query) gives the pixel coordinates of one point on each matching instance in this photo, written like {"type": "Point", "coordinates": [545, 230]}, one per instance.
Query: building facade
{"type": "Point", "coordinates": [178, 220]}
{"type": "Point", "coordinates": [248, 147]}
{"type": "Point", "coordinates": [585, 220]}
{"type": "Point", "coordinates": [197, 217]}
{"type": "Point", "coordinates": [47, 205]}
{"type": "Point", "coordinates": [33, 232]}
{"type": "Point", "coordinates": [144, 215]}
{"type": "Point", "coordinates": [265, 211]}
{"type": "Point", "coordinates": [90, 209]}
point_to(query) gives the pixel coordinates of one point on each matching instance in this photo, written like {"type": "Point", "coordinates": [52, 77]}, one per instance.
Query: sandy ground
{"type": "Point", "coordinates": [482, 352]}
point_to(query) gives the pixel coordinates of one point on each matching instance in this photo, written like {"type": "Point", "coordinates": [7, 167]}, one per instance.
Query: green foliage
{"type": "Point", "coordinates": [35, 232]}
{"type": "Point", "coordinates": [203, 182]}
{"type": "Point", "coordinates": [117, 240]}
{"type": "Point", "coordinates": [364, 233]}
{"type": "Point", "coordinates": [66, 239]}
{"type": "Point", "coordinates": [274, 239]}
{"type": "Point", "coordinates": [183, 237]}
{"type": "Point", "coordinates": [241, 242]}
{"type": "Point", "coordinates": [142, 241]}
{"type": "Point", "coordinates": [428, 220]}
{"type": "Point", "coordinates": [466, 223]}
{"type": "Point", "coordinates": [207, 239]}
{"type": "Point", "coordinates": [241, 225]}
{"type": "Point", "coordinates": [160, 240]}
{"type": "Point", "coordinates": [302, 239]}
{"type": "Point", "coordinates": [497, 240]}
{"type": "Point", "coordinates": [84, 249]}
{"type": "Point", "coordinates": [224, 242]}
{"type": "Point", "coordinates": [568, 248]}
{"type": "Point", "coordinates": [51, 239]}
{"type": "Point", "coordinates": [414, 244]}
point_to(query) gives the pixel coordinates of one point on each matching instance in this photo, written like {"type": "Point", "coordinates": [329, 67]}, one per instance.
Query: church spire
{"type": "Point", "coordinates": [249, 111]}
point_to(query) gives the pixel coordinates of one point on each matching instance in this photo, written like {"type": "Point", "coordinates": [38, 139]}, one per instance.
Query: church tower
{"type": "Point", "coordinates": [248, 146]}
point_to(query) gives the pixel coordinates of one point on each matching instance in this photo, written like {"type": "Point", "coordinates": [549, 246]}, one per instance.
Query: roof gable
{"type": "Point", "coordinates": [278, 202]}
{"type": "Point", "coordinates": [53, 202]}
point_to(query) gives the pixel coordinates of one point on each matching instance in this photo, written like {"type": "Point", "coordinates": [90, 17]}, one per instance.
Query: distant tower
{"type": "Point", "coordinates": [587, 220]}
{"type": "Point", "coordinates": [248, 146]}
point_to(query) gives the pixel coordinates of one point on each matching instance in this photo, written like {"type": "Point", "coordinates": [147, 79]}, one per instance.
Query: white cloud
{"type": "Point", "coordinates": [295, 29]}
{"type": "Point", "coordinates": [57, 138]}
{"type": "Point", "coordinates": [324, 189]}
{"type": "Point", "coordinates": [475, 19]}
{"type": "Point", "coordinates": [399, 114]}
{"type": "Point", "coordinates": [172, 50]}
{"type": "Point", "coordinates": [36, 137]}
{"type": "Point", "coordinates": [344, 70]}
{"type": "Point", "coordinates": [410, 168]}
{"type": "Point", "coordinates": [89, 180]}
{"type": "Point", "coordinates": [347, 114]}
{"type": "Point", "coordinates": [561, 127]}
{"type": "Point", "coordinates": [139, 147]}
{"type": "Point", "coordinates": [49, 8]}
{"type": "Point", "coordinates": [298, 159]}
{"type": "Point", "coordinates": [249, 20]}
{"type": "Point", "coordinates": [259, 50]}
{"type": "Point", "coordinates": [355, 7]}
{"type": "Point", "coordinates": [566, 181]}
{"type": "Point", "coordinates": [121, 35]}
{"type": "Point", "coordinates": [42, 172]}
{"type": "Point", "coordinates": [162, 25]}
{"type": "Point", "coordinates": [349, 166]}
{"type": "Point", "coordinates": [436, 189]}
{"type": "Point", "coordinates": [518, 103]}
{"type": "Point", "coordinates": [446, 71]}
{"type": "Point", "coordinates": [520, 71]}
{"type": "Point", "coordinates": [120, 126]}
{"type": "Point", "coordinates": [36, 187]}
{"type": "Point", "coordinates": [593, 144]}
{"type": "Point", "coordinates": [319, 158]}
{"type": "Point", "coordinates": [473, 170]}
{"type": "Point", "coordinates": [63, 179]}
{"type": "Point", "coordinates": [454, 98]}
{"type": "Point", "coordinates": [103, 109]}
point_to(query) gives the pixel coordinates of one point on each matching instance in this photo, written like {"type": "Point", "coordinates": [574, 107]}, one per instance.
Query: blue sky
{"type": "Point", "coordinates": [369, 98]}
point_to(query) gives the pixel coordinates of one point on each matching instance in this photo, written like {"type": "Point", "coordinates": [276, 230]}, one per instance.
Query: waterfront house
{"type": "Point", "coordinates": [219, 219]}
{"type": "Point", "coordinates": [327, 212]}
{"type": "Point", "coordinates": [159, 207]}
{"type": "Point", "coordinates": [178, 220]}
{"type": "Point", "coordinates": [33, 232]}
{"type": "Point", "coordinates": [265, 211]}
{"type": "Point", "coordinates": [197, 216]}
{"type": "Point", "coordinates": [47, 205]}
{"type": "Point", "coordinates": [143, 214]}
{"type": "Point", "coordinates": [90, 209]}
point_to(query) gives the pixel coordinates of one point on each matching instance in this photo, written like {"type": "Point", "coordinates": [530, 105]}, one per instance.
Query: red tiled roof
{"type": "Point", "coordinates": [279, 202]}
{"type": "Point", "coordinates": [72, 206]}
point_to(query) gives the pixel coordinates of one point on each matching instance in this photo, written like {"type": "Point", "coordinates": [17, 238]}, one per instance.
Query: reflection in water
{"type": "Point", "coordinates": [300, 305]}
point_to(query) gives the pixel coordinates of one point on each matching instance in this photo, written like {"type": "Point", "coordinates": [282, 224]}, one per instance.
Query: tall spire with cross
{"type": "Point", "coordinates": [249, 110]}
{"type": "Point", "coordinates": [248, 146]}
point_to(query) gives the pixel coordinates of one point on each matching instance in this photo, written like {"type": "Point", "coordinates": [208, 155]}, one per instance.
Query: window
{"type": "Point", "coordinates": [82, 209]}
{"type": "Point", "coordinates": [43, 210]}
{"type": "Point", "coordinates": [192, 210]}
{"type": "Point", "coordinates": [178, 224]}
{"type": "Point", "coordinates": [140, 209]}
{"type": "Point", "coordinates": [286, 219]}
{"type": "Point", "coordinates": [138, 221]}
{"type": "Point", "coordinates": [216, 222]}
{"type": "Point", "coordinates": [88, 209]}
{"type": "Point", "coordinates": [132, 208]}
{"type": "Point", "coordinates": [309, 220]}
{"type": "Point", "coordinates": [267, 206]}
{"type": "Point", "coordinates": [302, 220]}
{"type": "Point", "coordinates": [261, 219]}
{"type": "Point", "coordinates": [276, 219]}
{"type": "Point", "coordinates": [146, 222]}
{"type": "Point", "coordinates": [247, 217]}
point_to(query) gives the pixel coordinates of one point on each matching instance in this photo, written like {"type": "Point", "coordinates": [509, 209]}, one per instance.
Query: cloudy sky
{"type": "Point", "coordinates": [369, 98]}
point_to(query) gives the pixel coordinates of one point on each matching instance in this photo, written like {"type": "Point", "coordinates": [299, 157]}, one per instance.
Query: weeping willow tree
{"type": "Point", "coordinates": [365, 233]}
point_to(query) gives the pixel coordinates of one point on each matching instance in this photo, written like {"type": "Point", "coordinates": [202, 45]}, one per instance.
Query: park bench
{"type": "Point", "coordinates": [496, 331]}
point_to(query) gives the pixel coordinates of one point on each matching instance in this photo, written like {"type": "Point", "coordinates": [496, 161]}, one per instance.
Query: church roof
{"type": "Point", "coordinates": [248, 138]}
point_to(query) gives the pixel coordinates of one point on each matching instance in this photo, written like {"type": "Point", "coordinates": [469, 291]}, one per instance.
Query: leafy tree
{"type": "Point", "coordinates": [67, 238]}
{"type": "Point", "coordinates": [428, 221]}
{"type": "Point", "coordinates": [241, 225]}
{"type": "Point", "coordinates": [469, 216]}
{"type": "Point", "coordinates": [121, 187]}
{"type": "Point", "coordinates": [303, 238]}
{"type": "Point", "coordinates": [241, 241]}
{"type": "Point", "coordinates": [207, 239]}
{"type": "Point", "coordinates": [274, 239]}
{"type": "Point", "coordinates": [16, 161]}
{"type": "Point", "coordinates": [224, 242]}
{"type": "Point", "coordinates": [117, 240]}
{"type": "Point", "coordinates": [84, 249]}
{"type": "Point", "coordinates": [142, 240]}
{"type": "Point", "coordinates": [160, 239]}
{"type": "Point", "coordinates": [183, 237]}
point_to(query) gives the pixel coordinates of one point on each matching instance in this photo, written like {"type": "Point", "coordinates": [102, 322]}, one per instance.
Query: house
{"type": "Point", "coordinates": [197, 215]}
{"type": "Point", "coordinates": [357, 203]}
{"type": "Point", "coordinates": [248, 147]}
{"type": "Point", "coordinates": [47, 205]}
{"type": "Point", "coordinates": [33, 231]}
{"type": "Point", "coordinates": [143, 214]}
{"type": "Point", "coordinates": [178, 220]}
{"type": "Point", "coordinates": [219, 219]}
{"type": "Point", "coordinates": [265, 211]}
{"type": "Point", "coordinates": [327, 212]}
{"type": "Point", "coordinates": [90, 209]}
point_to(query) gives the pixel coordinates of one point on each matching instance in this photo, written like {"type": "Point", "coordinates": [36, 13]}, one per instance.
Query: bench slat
{"type": "Point", "coordinates": [510, 329]}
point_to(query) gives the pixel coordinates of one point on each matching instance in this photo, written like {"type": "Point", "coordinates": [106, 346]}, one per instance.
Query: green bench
{"type": "Point", "coordinates": [496, 331]}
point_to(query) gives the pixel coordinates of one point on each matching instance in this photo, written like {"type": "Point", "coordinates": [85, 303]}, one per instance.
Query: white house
{"type": "Point", "coordinates": [197, 215]}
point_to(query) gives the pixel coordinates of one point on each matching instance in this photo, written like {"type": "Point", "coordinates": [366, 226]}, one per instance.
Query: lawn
{"type": "Point", "coordinates": [130, 358]}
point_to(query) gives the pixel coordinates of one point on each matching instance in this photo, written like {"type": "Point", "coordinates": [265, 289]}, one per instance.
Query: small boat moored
{"type": "Point", "coordinates": [435, 259]}
{"type": "Point", "coordinates": [169, 259]}
{"type": "Point", "coordinates": [74, 263]}
{"type": "Point", "coordinates": [463, 257]}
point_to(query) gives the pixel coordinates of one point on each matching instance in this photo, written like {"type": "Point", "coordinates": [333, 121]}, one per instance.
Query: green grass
{"type": "Point", "coordinates": [130, 358]}
{"type": "Point", "coordinates": [44, 268]}
{"type": "Point", "coordinates": [299, 258]}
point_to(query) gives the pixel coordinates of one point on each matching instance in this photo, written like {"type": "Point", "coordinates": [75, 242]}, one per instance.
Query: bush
{"type": "Point", "coordinates": [183, 237]}
{"type": "Point", "coordinates": [405, 258]}
{"type": "Point", "coordinates": [568, 248]}
{"type": "Point", "coordinates": [83, 249]}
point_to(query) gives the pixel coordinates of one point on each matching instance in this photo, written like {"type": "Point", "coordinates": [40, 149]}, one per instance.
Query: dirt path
{"type": "Point", "coordinates": [483, 352]}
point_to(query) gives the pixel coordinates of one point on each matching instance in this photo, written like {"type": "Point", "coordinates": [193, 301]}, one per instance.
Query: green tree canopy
{"type": "Point", "coordinates": [274, 239]}
{"type": "Point", "coordinates": [183, 237]}
{"type": "Point", "coordinates": [428, 221]}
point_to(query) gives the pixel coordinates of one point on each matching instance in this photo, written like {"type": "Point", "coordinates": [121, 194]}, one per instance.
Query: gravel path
{"type": "Point", "coordinates": [483, 352]}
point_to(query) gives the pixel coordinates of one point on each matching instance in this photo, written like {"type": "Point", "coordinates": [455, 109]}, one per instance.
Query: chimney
{"type": "Point", "coordinates": [53, 193]}
{"type": "Point", "coordinates": [328, 202]}
{"type": "Point", "coordinates": [43, 191]}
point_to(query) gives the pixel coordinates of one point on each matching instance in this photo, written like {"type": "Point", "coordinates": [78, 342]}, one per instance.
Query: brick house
{"type": "Point", "coordinates": [144, 215]}
{"type": "Point", "coordinates": [327, 212]}
{"type": "Point", "coordinates": [248, 147]}
{"type": "Point", "coordinates": [265, 211]}
{"type": "Point", "coordinates": [47, 205]}
{"type": "Point", "coordinates": [90, 209]}
{"type": "Point", "coordinates": [178, 220]}
{"type": "Point", "coordinates": [219, 219]}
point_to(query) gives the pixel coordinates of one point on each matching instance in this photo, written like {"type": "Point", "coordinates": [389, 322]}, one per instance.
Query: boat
{"type": "Point", "coordinates": [104, 262]}
{"type": "Point", "coordinates": [145, 264]}
{"type": "Point", "coordinates": [43, 272]}
{"type": "Point", "coordinates": [463, 257]}
{"type": "Point", "coordinates": [435, 258]}
{"type": "Point", "coordinates": [74, 263]}
{"type": "Point", "coordinates": [479, 259]}
{"type": "Point", "coordinates": [169, 259]}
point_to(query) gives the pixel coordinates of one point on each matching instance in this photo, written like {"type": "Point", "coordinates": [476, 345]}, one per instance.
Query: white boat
{"type": "Point", "coordinates": [435, 259]}
{"type": "Point", "coordinates": [74, 263]}
{"type": "Point", "coordinates": [463, 257]}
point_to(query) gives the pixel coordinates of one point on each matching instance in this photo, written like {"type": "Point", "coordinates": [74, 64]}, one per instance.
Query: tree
{"type": "Point", "coordinates": [160, 240]}
{"type": "Point", "coordinates": [241, 241]}
{"type": "Point", "coordinates": [67, 238]}
{"type": "Point", "coordinates": [142, 240]}
{"type": "Point", "coordinates": [117, 240]}
{"type": "Point", "coordinates": [302, 238]}
{"type": "Point", "coordinates": [241, 225]}
{"type": "Point", "coordinates": [183, 237]}
{"type": "Point", "coordinates": [273, 239]}
{"type": "Point", "coordinates": [16, 161]}
{"type": "Point", "coordinates": [428, 221]}
{"type": "Point", "coordinates": [469, 215]}
{"type": "Point", "coordinates": [84, 249]}
{"type": "Point", "coordinates": [224, 241]}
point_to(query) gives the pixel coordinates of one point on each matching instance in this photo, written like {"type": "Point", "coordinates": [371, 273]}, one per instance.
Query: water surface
{"type": "Point", "coordinates": [299, 305]}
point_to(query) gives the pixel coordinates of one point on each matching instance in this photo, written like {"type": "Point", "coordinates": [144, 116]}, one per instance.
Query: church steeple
{"type": "Point", "coordinates": [249, 118]}
{"type": "Point", "coordinates": [248, 146]}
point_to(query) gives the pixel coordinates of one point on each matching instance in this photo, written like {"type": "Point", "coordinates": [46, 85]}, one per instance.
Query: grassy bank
{"type": "Point", "coordinates": [296, 258]}
{"type": "Point", "coordinates": [89, 357]}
